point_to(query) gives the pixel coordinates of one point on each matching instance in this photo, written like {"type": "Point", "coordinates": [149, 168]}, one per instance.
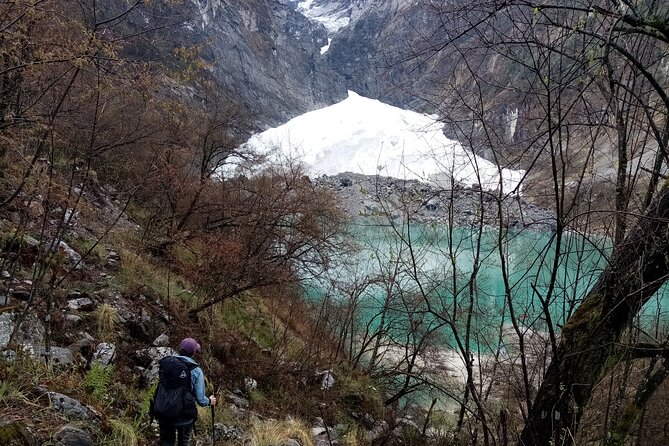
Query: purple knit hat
{"type": "Point", "coordinates": [189, 346]}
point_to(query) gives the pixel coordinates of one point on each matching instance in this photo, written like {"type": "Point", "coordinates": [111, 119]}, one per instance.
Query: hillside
{"type": "Point", "coordinates": [469, 247]}
{"type": "Point", "coordinates": [82, 341]}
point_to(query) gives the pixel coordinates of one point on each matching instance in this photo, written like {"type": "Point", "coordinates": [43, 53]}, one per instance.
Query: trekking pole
{"type": "Point", "coordinates": [213, 429]}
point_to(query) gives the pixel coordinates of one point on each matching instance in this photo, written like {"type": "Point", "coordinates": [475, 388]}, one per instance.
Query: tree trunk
{"type": "Point", "coordinates": [590, 339]}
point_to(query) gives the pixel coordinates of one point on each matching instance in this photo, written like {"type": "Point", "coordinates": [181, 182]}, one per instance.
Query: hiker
{"type": "Point", "coordinates": [173, 404]}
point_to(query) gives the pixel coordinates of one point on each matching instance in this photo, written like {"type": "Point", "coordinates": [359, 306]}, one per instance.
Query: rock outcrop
{"type": "Point", "coordinates": [263, 52]}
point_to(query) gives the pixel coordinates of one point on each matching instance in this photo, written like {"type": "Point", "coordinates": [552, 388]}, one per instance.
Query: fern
{"type": "Point", "coordinates": [97, 380]}
{"type": "Point", "coordinates": [146, 400]}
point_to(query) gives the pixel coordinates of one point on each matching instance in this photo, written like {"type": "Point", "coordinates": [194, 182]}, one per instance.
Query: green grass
{"type": "Point", "coordinates": [138, 273]}
{"type": "Point", "coordinates": [273, 432]}
{"type": "Point", "coordinates": [11, 393]}
{"type": "Point", "coordinates": [123, 432]}
{"type": "Point", "coordinates": [83, 245]}
{"type": "Point", "coordinates": [249, 316]}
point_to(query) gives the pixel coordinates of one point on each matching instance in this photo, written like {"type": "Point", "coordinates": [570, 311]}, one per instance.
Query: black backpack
{"type": "Point", "coordinates": [174, 398]}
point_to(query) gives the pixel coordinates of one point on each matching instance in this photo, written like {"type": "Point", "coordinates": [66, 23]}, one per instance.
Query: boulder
{"type": "Point", "coordinates": [72, 320]}
{"type": "Point", "coordinates": [71, 407]}
{"type": "Point", "coordinates": [228, 433]}
{"type": "Point", "coordinates": [31, 331]}
{"type": "Point", "coordinates": [58, 356]}
{"type": "Point", "coordinates": [104, 353]}
{"type": "Point", "coordinates": [83, 346]}
{"type": "Point", "coordinates": [81, 304]}
{"type": "Point", "coordinates": [327, 379]}
{"type": "Point", "coordinates": [237, 400]}
{"type": "Point", "coordinates": [6, 328]}
{"type": "Point", "coordinates": [162, 341]}
{"type": "Point", "coordinates": [73, 257]}
{"type": "Point", "coordinates": [151, 356]}
{"type": "Point", "coordinates": [70, 435]}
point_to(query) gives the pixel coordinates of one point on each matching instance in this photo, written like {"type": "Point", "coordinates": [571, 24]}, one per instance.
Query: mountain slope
{"type": "Point", "coordinates": [262, 52]}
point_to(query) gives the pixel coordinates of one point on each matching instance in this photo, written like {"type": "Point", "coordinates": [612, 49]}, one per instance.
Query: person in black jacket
{"type": "Point", "coordinates": [182, 428]}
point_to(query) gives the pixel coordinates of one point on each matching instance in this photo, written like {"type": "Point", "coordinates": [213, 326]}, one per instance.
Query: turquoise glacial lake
{"type": "Point", "coordinates": [431, 277]}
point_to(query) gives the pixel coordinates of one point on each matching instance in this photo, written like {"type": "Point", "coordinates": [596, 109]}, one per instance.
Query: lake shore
{"type": "Point", "coordinates": [387, 197]}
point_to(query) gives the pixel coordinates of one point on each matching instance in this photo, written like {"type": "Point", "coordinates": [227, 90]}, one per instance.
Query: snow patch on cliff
{"type": "Point", "coordinates": [331, 15]}
{"type": "Point", "coordinates": [207, 10]}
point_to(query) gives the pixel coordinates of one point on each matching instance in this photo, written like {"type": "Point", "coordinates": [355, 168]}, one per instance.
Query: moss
{"type": "Point", "coordinates": [629, 417]}
{"type": "Point", "coordinates": [586, 316]}
{"type": "Point", "coordinates": [15, 434]}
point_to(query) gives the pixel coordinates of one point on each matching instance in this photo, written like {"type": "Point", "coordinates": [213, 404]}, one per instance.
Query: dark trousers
{"type": "Point", "coordinates": [170, 432]}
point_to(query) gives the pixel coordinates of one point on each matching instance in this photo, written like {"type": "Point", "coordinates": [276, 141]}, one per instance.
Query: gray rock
{"type": "Point", "coordinates": [72, 320]}
{"type": "Point", "coordinates": [162, 341]}
{"type": "Point", "coordinates": [5, 274]}
{"type": "Point", "coordinates": [83, 346]}
{"type": "Point", "coordinates": [86, 336]}
{"type": "Point", "coordinates": [228, 433]}
{"type": "Point", "coordinates": [104, 353]}
{"type": "Point", "coordinates": [327, 379]}
{"type": "Point", "coordinates": [407, 421]}
{"type": "Point", "coordinates": [70, 407]}
{"type": "Point", "coordinates": [81, 304]}
{"type": "Point", "coordinates": [429, 203]}
{"type": "Point", "coordinates": [250, 384]}
{"type": "Point", "coordinates": [58, 356]}
{"type": "Point", "coordinates": [31, 331]}
{"type": "Point", "coordinates": [4, 301]}
{"type": "Point", "coordinates": [237, 400]}
{"type": "Point", "coordinates": [73, 257]}
{"type": "Point", "coordinates": [319, 430]}
{"type": "Point", "coordinates": [113, 258]}
{"type": "Point", "coordinates": [290, 442]}
{"type": "Point", "coordinates": [151, 356]}
{"type": "Point", "coordinates": [70, 435]}
{"type": "Point", "coordinates": [6, 328]}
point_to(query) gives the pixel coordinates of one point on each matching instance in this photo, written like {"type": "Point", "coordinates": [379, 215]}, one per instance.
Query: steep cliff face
{"type": "Point", "coordinates": [264, 52]}
{"type": "Point", "coordinates": [270, 54]}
